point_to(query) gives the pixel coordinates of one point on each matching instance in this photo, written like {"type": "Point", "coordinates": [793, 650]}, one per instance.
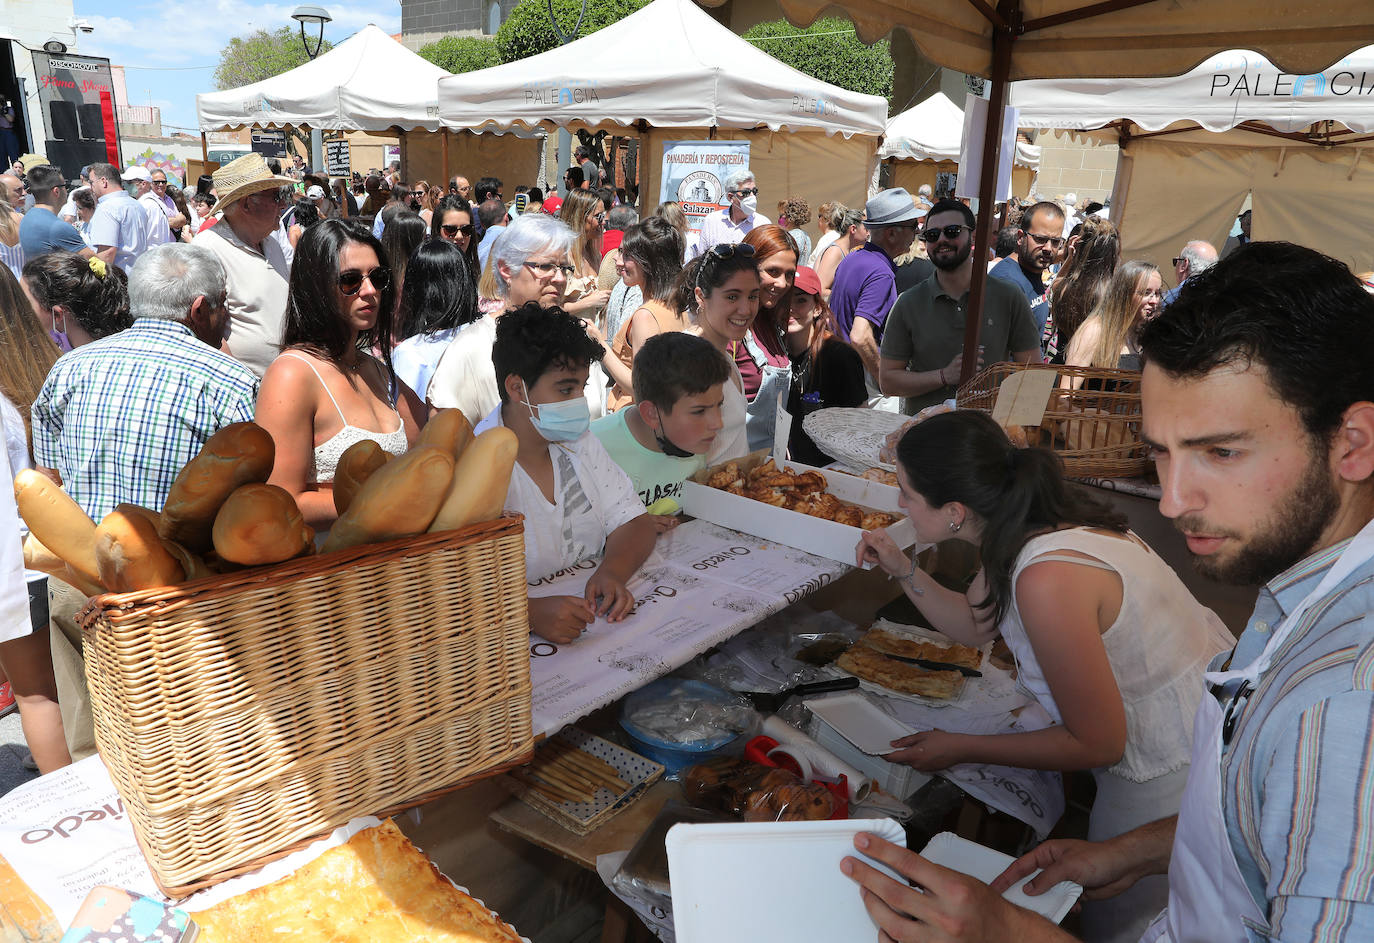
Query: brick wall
{"type": "Point", "coordinates": [1070, 166]}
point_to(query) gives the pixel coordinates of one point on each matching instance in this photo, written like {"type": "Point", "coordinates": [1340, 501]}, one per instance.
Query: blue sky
{"type": "Point", "coordinates": [170, 50]}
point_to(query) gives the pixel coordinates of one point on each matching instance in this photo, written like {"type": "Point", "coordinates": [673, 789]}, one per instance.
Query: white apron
{"type": "Point", "coordinates": [1208, 897]}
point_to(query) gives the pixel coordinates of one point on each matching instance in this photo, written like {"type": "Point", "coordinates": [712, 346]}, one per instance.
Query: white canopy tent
{"type": "Point", "coordinates": [925, 140]}
{"type": "Point", "coordinates": [1194, 146]}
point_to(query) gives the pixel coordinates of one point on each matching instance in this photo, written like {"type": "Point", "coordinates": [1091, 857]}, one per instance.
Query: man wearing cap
{"type": "Point", "coordinates": [119, 227]}
{"type": "Point", "coordinates": [250, 197]}
{"type": "Point", "coordinates": [865, 286]}
{"type": "Point", "coordinates": [733, 223]}
{"type": "Point", "coordinates": [159, 233]}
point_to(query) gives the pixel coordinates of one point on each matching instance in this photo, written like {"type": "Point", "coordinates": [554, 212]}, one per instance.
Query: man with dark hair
{"type": "Point", "coordinates": [1038, 241]}
{"type": "Point", "coordinates": [493, 218]}
{"type": "Point", "coordinates": [119, 228]}
{"type": "Point", "coordinates": [41, 230]}
{"type": "Point", "coordinates": [1008, 240]}
{"type": "Point", "coordinates": [923, 346]}
{"type": "Point", "coordinates": [1258, 395]}
{"type": "Point", "coordinates": [577, 502]}
{"type": "Point", "coordinates": [488, 188]}
{"type": "Point", "coordinates": [574, 179]}
{"type": "Point", "coordinates": [458, 185]}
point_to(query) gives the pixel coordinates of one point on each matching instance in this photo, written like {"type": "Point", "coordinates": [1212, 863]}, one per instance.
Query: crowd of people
{"type": "Point", "coordinates": [626, 352]}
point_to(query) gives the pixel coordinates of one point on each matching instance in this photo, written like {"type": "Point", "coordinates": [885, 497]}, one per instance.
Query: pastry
{"type": "Point", "coordinates": [870, 665]}
{"type": "Point", "coordinates": [891, 644]}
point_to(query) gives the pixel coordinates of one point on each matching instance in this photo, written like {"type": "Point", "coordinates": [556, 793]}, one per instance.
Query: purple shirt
{"type": "Point", "coordinates": [865, 287]}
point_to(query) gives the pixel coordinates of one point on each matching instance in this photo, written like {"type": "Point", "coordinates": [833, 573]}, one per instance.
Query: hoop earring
{"type": "Point", "coordinates": [954, 526]}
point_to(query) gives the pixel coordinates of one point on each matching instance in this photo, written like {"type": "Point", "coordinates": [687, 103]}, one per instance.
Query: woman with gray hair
{"type": "Point", "coordinates": [528, 262]}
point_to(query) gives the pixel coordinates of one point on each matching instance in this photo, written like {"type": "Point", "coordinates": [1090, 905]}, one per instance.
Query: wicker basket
{"type": "Point", "coordinates": [1095, 428]}
{"type": "Point", "coordinates": [244, 714]}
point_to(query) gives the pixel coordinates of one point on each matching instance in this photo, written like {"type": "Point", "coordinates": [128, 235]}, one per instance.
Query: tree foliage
{"type": "Point", "coordinates": [261, 55]}
{"type": "Point", "coordinates": [830, 51]}
{"type": "Point", "coordinates": [528, 32]}
{"type": "Point", "coordinates": [460, 54]}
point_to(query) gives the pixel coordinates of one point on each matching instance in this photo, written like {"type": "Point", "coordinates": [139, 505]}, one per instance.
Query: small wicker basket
{"type": "Point", "coordinates": [1095, 428]}
{"type": "Point", "coordinates": [244, 714]}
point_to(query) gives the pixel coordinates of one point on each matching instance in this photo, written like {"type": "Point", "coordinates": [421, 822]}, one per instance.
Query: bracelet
{"type": "Point", "coordinates": [911, 576]}
{"type": "Point", "coordinates": [943, 381]}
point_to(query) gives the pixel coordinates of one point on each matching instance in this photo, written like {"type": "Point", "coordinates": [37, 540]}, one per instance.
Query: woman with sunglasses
{"type": "Point", "coordinates": [1108, 337]}
{"type": "Point", "coordinates": [652, 260]}
{"type": "Point", "coordinates": [761, 356]}
{"type": "Point", "coordinates": [326, 391]}
{"type": "Point", "coordinates": [585, 215]}
{"type": "Point", "coordinates": [452, 222]}
{"type": "Point", "coordinates": [721, 289]}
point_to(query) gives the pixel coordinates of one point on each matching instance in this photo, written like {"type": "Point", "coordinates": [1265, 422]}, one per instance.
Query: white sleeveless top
{"type": "Point", "coordinates": [1158, 646]}
{"type": "Point", "coordinates": [327, 453]}
{"type": "Point", "coordinates": [732, 441]}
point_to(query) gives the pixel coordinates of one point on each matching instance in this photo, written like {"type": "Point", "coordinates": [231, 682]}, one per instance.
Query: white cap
{"type": "Point", "coordinates": [136, 173]}
{"type": "Point", "coordinates": [314, 194]}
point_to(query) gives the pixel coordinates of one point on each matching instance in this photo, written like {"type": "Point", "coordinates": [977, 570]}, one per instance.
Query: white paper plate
{"type": "Point", "coordinates": [966, 857]}
{"type": "Point", "coordinates": [769, 882]}
{"type": "Point", "coordinates": [860, 721]}
{"type": "Point", "coordinates": [853, 435]}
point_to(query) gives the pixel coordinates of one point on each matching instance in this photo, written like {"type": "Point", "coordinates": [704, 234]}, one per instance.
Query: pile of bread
{"type": "Point", "coordinates": [803, 492]}
{"type": "Point", "coordinates": [221, 515]}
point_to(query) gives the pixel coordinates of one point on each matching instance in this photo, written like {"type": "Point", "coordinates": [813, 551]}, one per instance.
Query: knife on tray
{"type": "Point", "coordinates": [930, 665]}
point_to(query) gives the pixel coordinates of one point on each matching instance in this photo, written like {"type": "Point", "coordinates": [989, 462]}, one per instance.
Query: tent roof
{"type": "Point", "coordinates": [1227, 90]}
{"type": "Point", "coordinates": [934, 130]}
{"type": "Point", "coordinates": [369, 82]}
{"type": "Point", "coordinates": [1073, 38]}
{"type": "Point", "coordinates": [669, 64]}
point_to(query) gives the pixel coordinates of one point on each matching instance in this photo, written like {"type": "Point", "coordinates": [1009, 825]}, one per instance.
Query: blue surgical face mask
{"type": "Point", "coordinates": [559, 422]}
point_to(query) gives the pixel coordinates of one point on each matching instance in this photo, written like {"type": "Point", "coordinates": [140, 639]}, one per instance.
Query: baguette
{"type": "Point", "coordinates": [448, 429]}
{"type": "Point", "coordinates": [399, 500]}
{"type": "Point", "coordinates": [131, 555]}
{"type": "Point", "coordinates": [356, 465]}
{"type": "Point", "coordinates": [40, 558]}
{"type": "Point", "coordinates": [58, 521]}
{"type": "Point", "coordinates": [260, 524]}
{"type": "Point", "coordinates": [238, 454]}
{"type": "Point", "coordinates": [480, 481]}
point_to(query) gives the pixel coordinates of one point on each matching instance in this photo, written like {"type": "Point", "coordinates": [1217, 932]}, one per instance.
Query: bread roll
{"type": "Point", "coordinates": [399, 500]}
{"type": "Point", "coordinates": [235, 455]}
{"type": "Point", "coordinates": [193, 564]}
{"type": "Point", "coordinates": [130, 553]}
{"type": "Point", "coordinates": [480, 481]}
{"type": "Point", "coordinates": [448, 429]}
{"type": "Point", "coordinates": [57, 521]}
{"type": "Point", "coordinates": [40, 558]}
{"type": "Point", "coordinates": [260, 524]}
{"type": "Point", "coordinates": [356, 465]}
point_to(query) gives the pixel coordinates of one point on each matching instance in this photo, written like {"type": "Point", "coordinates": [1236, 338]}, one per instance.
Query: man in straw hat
{"type": "Point", "coordinates": [251, 198]}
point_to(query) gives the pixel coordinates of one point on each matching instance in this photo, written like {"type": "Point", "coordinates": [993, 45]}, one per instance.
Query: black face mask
{"type": "Point", "coordinates": [667, 446]}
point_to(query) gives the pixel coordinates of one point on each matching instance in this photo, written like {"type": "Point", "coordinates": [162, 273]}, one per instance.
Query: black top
{"type": "Point", "coordinates": [838, 380]}
{"type": "Point", "coordinates": [910, 274]}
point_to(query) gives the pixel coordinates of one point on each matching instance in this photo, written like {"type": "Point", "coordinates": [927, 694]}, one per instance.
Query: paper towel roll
{"type": "Point", "coordinates": [822, 760]}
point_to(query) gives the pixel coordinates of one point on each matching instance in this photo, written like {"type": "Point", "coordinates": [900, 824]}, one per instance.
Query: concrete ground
{"type": "Point", "coordinates": [13, 752]}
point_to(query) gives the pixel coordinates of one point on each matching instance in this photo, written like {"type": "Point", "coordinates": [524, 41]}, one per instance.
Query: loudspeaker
{"type": "Point", "coordinates": [92, 123]}
{"type": "Point", "coordinates": [62, 122]}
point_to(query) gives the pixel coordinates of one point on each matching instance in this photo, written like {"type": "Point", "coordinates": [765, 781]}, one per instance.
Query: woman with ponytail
{"type": "Point", "coordinates": [1107, 639]}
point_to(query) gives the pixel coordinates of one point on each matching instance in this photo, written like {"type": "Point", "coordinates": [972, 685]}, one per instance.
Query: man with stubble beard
{"type": "Point", "coordinates": [923, 344]}
{"type": "Point", "coordinates": [1038, 241]}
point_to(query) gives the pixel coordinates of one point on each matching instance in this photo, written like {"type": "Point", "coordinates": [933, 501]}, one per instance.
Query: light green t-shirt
{"type": "Point", "coordinates": [653, 474]}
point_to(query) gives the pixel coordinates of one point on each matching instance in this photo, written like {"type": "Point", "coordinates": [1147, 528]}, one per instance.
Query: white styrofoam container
{"type": "Point", "coordinates": [860, 721]}
{"type": "Point", "coordinates": [959, 854]}
{"type": "Point", "coordinates": [770, 882]}
{"type": "Point", "coordinates": [895, 779]}
{"type": "Point", "coordinates": [812, 534]}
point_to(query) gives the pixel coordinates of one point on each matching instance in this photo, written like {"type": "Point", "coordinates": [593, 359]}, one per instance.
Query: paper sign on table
{"type": "Point", "coordinates": [782, 427]}
{"type": "Point", "coordinates": [1023, 397]}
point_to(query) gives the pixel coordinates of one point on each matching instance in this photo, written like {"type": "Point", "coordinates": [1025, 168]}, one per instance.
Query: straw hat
{"type": "Point", "coordinates": [245, 176]}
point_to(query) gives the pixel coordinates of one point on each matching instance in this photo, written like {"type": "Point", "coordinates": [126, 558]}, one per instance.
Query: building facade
{"type": "Point", "coordinates": [426, 21]}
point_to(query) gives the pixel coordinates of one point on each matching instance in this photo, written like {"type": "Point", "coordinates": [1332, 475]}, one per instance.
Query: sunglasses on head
{"type": "Point", "coordinates": [949, 232]}
{"type": "Point", "coordinates": [351, 281]}
{"type": "Point", "coordinates": [451, 231]}
{"type": "Point", "coordinates": [728, 250]}
{"type": "Point", "coordinates": [745, 191]}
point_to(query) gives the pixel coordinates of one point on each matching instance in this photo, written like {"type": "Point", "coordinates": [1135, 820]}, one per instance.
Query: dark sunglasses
{"type": "Point", "coordinates": [451, 231]}
{"type": "Point", "coordinates": [949, 232]}
{"type": "Point", "coordinates": [728, 250]}
{"type": "Point", "coordinates": [746, 191]}
{"type": "Point", "coordinates": [351, 281]}
{"type": "Point", "coordinates": [1054, 241]}
{"type": "Point", "coordinates": [159, 183]}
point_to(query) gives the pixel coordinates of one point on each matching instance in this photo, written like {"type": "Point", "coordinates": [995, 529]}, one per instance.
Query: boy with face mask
{"type": "Point", "coordinates": [577, 503]}
{"type": "Point", "coordinates": [664, 437]}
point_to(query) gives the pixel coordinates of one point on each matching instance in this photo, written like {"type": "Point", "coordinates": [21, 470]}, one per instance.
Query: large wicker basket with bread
{"type": "Point", "coordinates": [244, 713]}
{"type": "Point", "coordinates": [1095, 428]}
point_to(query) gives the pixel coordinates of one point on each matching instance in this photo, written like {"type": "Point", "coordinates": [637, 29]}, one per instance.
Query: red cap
{"type": "Point", "coordinates": [807, 280]}
{"type": "Point", "coordinates": [552, 203]}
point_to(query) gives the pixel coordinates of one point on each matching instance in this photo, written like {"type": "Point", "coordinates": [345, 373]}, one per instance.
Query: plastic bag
{"type": "Point", "coordinates": [755, 792]}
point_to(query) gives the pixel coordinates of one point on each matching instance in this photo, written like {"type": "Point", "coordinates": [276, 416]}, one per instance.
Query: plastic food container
{"type": "Point", "coordinates": [697, 703]}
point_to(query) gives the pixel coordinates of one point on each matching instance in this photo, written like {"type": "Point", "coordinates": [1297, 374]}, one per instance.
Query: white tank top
{"type": "Point", "coordinates": [732, 441]}
{"type": "Point", "coordinates": [1158, 647]}
{"type": "Point", "coordinates": [327, 453]}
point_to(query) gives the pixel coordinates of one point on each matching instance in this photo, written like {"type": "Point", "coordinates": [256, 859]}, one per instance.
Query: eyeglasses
{"type": "Point", "coordinates": [1054, 241]}
{"type": "Point", "coordinates": [159, 183]}
{"type": "Point", "coordinates": [1155, 293]}
{"type": "Point", "coordinates": [451, 231]}
{"type": "Point", "coordinates": [417, 193]}
{"type": "Point", "coordinates": [600, 217]}
{"type": "Point", "coordinates": [546, 269]}
{"type": "Point", "coordinates": [746, 191]}
{"type": "Point", "coordinates": [1179, 260]}
{"type": "Point", "coordinates": [728, 250]}
{"type": "Point", "coordinates": [951, 232]}
{"type": "Point", "coordinates": [351, 281]}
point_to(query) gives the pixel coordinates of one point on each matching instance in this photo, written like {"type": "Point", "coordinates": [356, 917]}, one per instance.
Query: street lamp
{"type": "Point", "coordinates": [315, 17]}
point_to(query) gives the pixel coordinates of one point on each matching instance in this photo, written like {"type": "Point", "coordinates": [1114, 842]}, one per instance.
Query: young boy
{"type": "Point", "coordinates": [664, 437]}
{"type": "Point", "coordinates": [577, 502]}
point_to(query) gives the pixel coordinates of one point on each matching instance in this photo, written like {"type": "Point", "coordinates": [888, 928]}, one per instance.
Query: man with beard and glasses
{"type": "Point", "coordinates": [1258, 396]}
{"type": "Point", "coordinates": [924, 341]}
{"type": "Point", "coordinates": [1038, 242]}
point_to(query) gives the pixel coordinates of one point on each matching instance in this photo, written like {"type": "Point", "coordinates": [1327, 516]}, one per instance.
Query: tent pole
{"type": "Point", "coordinates": [204, 149]}
{"type": "Point", "coordinates": [987, 193]}
{"type": "Point", "coordinates": [443, 156]}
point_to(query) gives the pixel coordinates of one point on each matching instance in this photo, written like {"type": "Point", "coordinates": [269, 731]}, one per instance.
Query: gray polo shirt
{"type": "Point", "coordinates": [926, 329]}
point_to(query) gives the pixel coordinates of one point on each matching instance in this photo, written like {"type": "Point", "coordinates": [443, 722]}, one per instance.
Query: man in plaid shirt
{"type": "Point", "coordinates": [117, 419]}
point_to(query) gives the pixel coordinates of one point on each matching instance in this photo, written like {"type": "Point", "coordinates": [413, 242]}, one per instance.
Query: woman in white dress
{"type": "Point", "coordinates": [1107, 639]}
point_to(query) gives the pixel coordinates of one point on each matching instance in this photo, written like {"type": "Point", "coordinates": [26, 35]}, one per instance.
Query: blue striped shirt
{"type": "Point", "coordinates": [119, 417]}
{"type": "Point", "coordinates": [1298, 774]}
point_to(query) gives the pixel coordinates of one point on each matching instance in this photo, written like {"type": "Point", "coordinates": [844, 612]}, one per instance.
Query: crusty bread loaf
{"type": "Point", "coordinates": [258, 524]}
{"type": "Point", "coordinates": [40, 558]}
{"type": "Point", "coordinates": [356, 465]}
{"type": "Point", "coordinates": [58, 522]}
{"type": "Point", "coordinates": [193, 564]}
{"type": "Point", "coordinates": [238, 454]}
{"type": "Point", "coordinates": [448, 429]}
{"type": "Point", "coordinates": [399, 500]}
{"type": "Point", "coordinates": [130, 553]}
{"type": "Point", "coordinates": [480, 481]}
